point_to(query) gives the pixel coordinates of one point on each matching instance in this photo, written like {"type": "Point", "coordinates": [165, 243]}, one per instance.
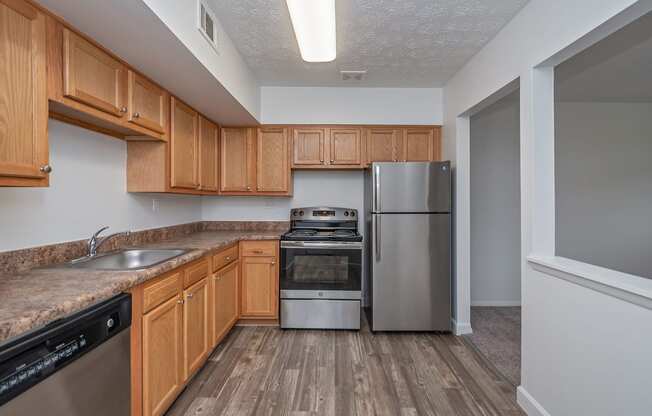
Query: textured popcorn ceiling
{"type": "Point", "coordinates": [402, 43]}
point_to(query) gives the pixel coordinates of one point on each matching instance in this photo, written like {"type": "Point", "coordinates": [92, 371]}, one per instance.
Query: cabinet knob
{"type": "Point", "coordinates": [228, 258]}
{"type": "Point", "coordinates": [123, 109]}
{"type": "Point", "coordinates": [180, 301]}
{"type": "Point", "coordinates": [248, 188]}
{"type": "Point", "coordinates": [136, 115]}
{"type": "Point", "coordinates": [332, 160]}
{"type": "Point", "coordinates": [46, 169]}
{"type": "Point", "coordinates": [321, 161]}
{"type": "Point", "coordinates": [273, 262]}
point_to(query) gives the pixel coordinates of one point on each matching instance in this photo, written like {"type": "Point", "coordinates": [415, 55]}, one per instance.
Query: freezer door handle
{"type": "Point", "coordinates": [377, 189]}
{"type": "Point", "coordinates": [377, 235]}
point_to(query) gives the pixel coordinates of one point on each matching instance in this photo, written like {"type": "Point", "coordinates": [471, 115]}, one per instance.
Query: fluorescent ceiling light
{"type": "Point", "coordinates": [314, 26]}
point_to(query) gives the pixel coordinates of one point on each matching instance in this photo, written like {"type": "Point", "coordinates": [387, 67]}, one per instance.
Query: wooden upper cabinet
{"type": "Point", "coordinates": [237, 160]}
{"type": "Point", "coordinates": [23, 96]}
{"type": "Point", "coordinates": [183, 146]}
{"type": "Point", "coordinates": [208, 155]}
{"type": "Point", "coordinates": [420, 144]}
{"type": "Point", "coordinates": [308, 147]}
{"type": "Point", "coordinates": [93, 77]}
{"type": "Point", "coordinates": [345, 147]}
{"type": "Point", "coordinates": [382, 144]}
{"type": "Point", "coordinates": [147, 103]}
{"type": "Point", "coordinates": [273, 165]}
{"type": "Point", "coordinates": [195, 327]}
{"type": "Point", "coordinates": [162, 343]}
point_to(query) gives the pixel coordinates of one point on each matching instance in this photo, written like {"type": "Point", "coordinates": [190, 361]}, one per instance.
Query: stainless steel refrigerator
{"type": "Point", "coordinates": [408, 246]}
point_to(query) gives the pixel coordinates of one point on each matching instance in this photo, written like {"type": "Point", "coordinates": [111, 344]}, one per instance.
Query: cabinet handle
{"type": "Point", "coordinates": [46, 169]}
{"type": "Point", "coordinates": [257, 251]}
{"type": "Point", "coordinates": [136, 115]}
{"type": "Point", "coordinates": [189, 295]}
{"type": "Point", "coordinates": [180, 301]}
{"type": "Point", "coordinates": [123, 109]}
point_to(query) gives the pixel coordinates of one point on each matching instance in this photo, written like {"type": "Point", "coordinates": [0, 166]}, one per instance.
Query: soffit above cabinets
{"type": "Point", "coordinates": [407, 43]}
{"type": "Point", "coordinates": [132, 31]}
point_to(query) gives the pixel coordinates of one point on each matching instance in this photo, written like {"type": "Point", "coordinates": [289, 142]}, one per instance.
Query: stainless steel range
{"type": "Point", "coordinates": [321, 269]}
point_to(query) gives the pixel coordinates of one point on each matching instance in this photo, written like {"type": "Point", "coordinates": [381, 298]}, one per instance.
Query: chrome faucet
{"type": "Point", "coordinates": [95, 242]}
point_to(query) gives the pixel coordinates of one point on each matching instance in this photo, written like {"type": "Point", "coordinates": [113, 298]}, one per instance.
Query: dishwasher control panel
{"type": "Point", "coordinates": [34, 357]}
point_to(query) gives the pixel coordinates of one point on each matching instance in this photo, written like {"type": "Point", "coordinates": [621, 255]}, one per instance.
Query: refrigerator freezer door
{"type": "Point", "coordinates": [411, 272]}
{"type": "Point", "coordinates": [410, 187]}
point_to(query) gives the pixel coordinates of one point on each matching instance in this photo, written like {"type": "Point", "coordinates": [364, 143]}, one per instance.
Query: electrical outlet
{"type": "Point", "coordinates": [154, 205]}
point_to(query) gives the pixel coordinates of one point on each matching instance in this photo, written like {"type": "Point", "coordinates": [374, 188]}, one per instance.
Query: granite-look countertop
{"type": "Point", "coordinates": [34, 298]}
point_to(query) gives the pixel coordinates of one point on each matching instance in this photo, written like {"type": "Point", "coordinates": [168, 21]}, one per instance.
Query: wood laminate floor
{"type": "Point", "coordinates": [269, 371]}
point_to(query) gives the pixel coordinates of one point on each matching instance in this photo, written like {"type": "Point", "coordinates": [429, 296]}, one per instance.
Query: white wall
{"type": "Point", "coordinates": [87, 190]}
{"type": "Point", "coordinates": [604, 184]}
{"type": "Point", "coordinates": [311, 188]}
{"type": "Point", "coordinates": [324, 105]}
{"type": "Point", "coordinates": [228, 66]}
{"type": "Point", "coordinates": [496, 205]}
{"type": "Point", "coordinates": [583, 351]}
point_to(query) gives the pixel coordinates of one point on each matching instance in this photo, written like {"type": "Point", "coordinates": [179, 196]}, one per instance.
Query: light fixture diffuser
{"type": "Point", "coordinates": [314, 27]}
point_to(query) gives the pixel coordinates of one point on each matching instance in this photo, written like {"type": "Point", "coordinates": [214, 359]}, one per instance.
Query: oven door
{"type": "Point", "coordinates": [329, 270]}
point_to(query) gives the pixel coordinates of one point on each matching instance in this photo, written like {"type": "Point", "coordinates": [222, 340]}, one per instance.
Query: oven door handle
{"type": "Point", "coordinates": [318, 244]}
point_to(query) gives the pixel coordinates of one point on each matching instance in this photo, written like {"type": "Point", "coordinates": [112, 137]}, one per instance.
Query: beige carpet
{"type": "Point", "coordinates": [497, 336]}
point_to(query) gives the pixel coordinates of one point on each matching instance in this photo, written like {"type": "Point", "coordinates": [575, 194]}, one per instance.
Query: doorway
{"type": "Point", "coordinates": [495, 262]}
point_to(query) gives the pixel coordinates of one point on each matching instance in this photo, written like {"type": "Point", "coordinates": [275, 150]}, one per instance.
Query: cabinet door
{"type": "Point", "coordinates": [346, 147]}
{"type": "Point", "coordinates": [23, 95]}
{"type": "Point", "coordinates": [237, 160]}
{"type": "Point", "coordinates": [92, 77]}
{"type": "Point", "coordinates": [259, 287]}
{"type": "Point", "coordinates": [147, 104]}
{"type": "Point", "coordinates": [225, 300]}
{"type": "Point", "coordinates": [273, 167]}
{"type": "Point", "coordinates": [309, 145]}
{"type": "Point", "coordinates": [208, 155]}
{"type": "Point", "coordinates": [381, 144]}
{"type": "Point", "coordinates": [418, 145]}
{"type": "Point", "coordinates": [162, 356]}
{"type": "Point", "coordinates": [195, 327]}
{"type": "Point", "coordinates": [183, 146]}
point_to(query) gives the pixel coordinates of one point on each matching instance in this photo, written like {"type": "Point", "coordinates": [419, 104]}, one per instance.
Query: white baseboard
{"type": "Point", "coordinates": [529, 404]}
{"type": "Point", "coordinates": [461, 328]}
{"type": "Point", "coordinates": [496, 303]}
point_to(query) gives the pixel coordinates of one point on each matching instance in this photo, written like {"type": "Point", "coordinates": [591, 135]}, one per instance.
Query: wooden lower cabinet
{"type": "Point", "coordinates": [225, 303]}
{"type": "Point", "coordinates": [259, 280]}
{"type": "Point", "coordinates": [195, 327]}
{"type": "Point", "coordinates": [178, 318]}
{"type": "Point", "coordinates": [162, 344]}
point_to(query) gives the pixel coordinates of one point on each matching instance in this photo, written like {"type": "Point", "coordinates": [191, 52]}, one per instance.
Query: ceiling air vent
{"type": "Point", "coordinates": [206, 23]}
{"type": "Point", "coordinates": [353, 75]}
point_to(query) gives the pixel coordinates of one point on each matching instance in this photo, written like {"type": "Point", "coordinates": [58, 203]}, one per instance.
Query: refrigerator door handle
{"type": "Point", "coordinates": [377, 235]}
{"type": "Point", "coordinates": [377, 189]}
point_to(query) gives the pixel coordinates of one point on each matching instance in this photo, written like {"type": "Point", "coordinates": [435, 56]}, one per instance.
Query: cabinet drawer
{"type": "Point", "coordinates": [158, 292]}
{"type": "Point", "coordinates": [195, 273]}
{"type": "Point", "coordinates": [259, 248]}
{"type": "Point", "coordinates": [225, 257]}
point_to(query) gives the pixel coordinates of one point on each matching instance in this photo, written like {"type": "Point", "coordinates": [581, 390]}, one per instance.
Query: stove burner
{"type": "Point", "coordinates": [341, 226]}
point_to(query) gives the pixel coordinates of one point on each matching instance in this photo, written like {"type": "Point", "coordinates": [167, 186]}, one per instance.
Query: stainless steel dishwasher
{"type": "Point", "coordinates": [75, 366]}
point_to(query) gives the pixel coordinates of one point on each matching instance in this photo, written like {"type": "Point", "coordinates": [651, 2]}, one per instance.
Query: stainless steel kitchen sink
{"type": "Point", "coordinates": [132, 259]}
